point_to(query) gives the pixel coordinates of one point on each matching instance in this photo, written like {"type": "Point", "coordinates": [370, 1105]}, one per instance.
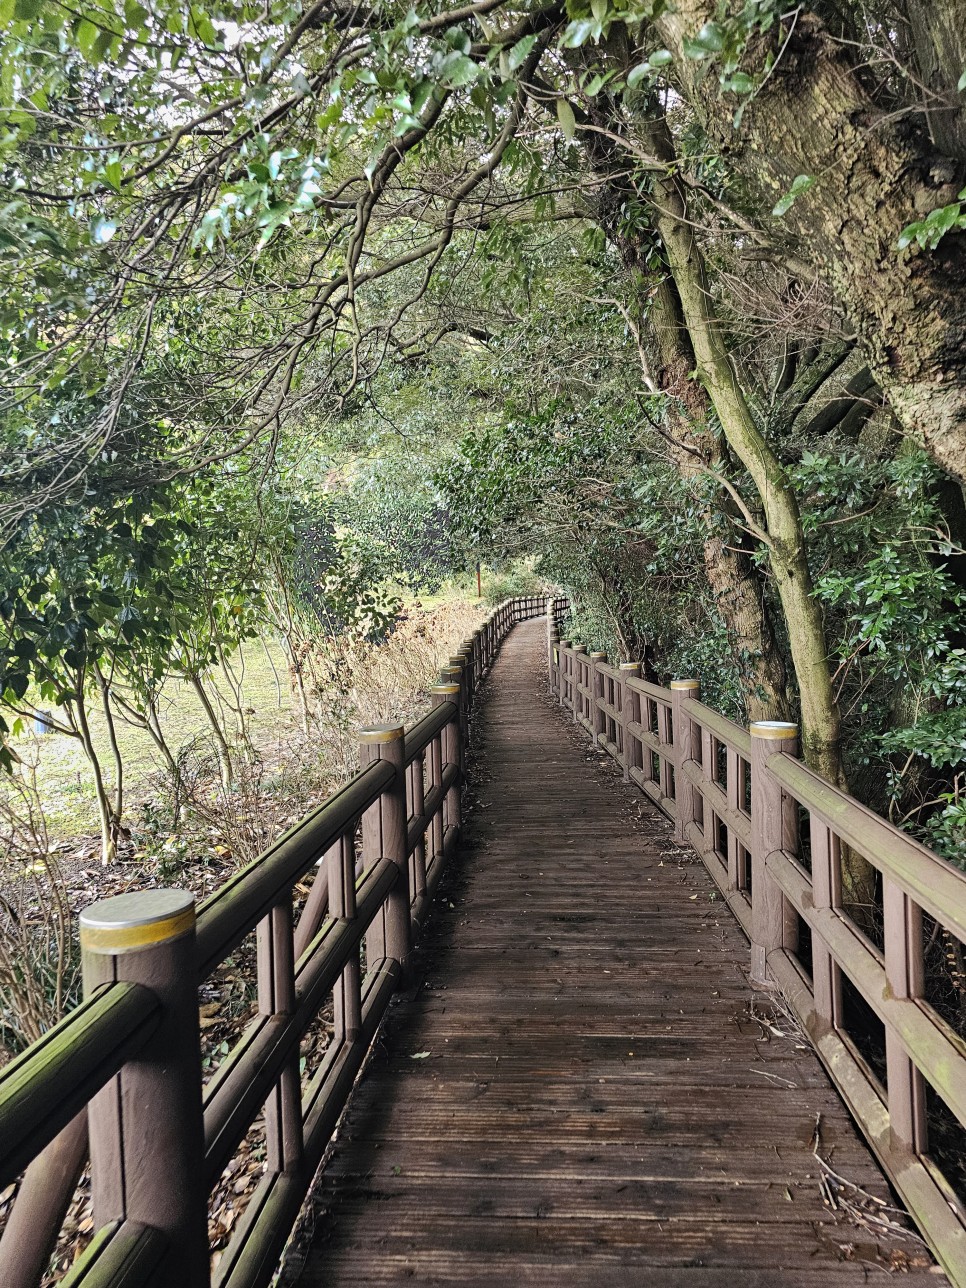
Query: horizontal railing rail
{"type": "Point", "coordinates": [774, 836]}
{"type": "Point", "coordinates": [119, 1081]}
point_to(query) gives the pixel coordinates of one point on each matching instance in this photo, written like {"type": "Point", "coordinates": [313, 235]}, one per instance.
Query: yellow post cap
{"type": "Point", "coordinates": [141, 919]}
{"type": "Point", "coordinates": [685, 684]}
{"type": "Point", "coordinates": [773, 729]}
{"type": "Point", "coordinates": [381, 733]}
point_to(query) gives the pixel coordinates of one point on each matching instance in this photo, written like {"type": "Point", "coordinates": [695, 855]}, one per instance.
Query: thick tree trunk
{"type": "Point", "coordinates": [875, 171]}
{"type": "Point", "coordinates": [938, 30]}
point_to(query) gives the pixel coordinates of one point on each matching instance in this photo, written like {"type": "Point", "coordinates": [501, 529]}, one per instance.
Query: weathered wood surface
{"type": "Point", "coordinates": [580, 1093]}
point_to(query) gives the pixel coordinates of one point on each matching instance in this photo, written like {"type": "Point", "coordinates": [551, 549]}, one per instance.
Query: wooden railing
{"type": "Point", "coordinates": [123, 1072]}
{"type": "Point", "coordinates": [772, 835]}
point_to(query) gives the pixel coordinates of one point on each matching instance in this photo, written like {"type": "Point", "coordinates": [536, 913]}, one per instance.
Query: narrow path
{"type": "Point", "coordinates": [580, 1094]}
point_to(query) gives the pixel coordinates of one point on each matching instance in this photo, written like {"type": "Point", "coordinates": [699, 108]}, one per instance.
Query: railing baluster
{"type": "Point", "coordinates": [435, 763]}
{"type": "Point", "coordinates": [580, 651]}
{"type": "Point", "coordinates": [905, 975]}
{"type": "Point", "coordinates": [416, 774]}
{"type": "Point", "coordinates": [733, 793]}
{"type": "Point", "coordinates": [598, 722]}
{"type": "Point", "coordinates": [665, 735]}
{"type": "Point", "coordinates": [687, 745]}
{"type": "Point", "coordinates": [276, 996]}
{"type": "Point", "coordinates": [827, 893]}
{"type": "Point", "coordinates": [630, 714]}
{"type": "Point", "coordinates": [347, 994]}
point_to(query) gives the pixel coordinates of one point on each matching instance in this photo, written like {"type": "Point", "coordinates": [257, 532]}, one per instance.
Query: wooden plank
{"type": "Point", "coordinates": [578, 1091]}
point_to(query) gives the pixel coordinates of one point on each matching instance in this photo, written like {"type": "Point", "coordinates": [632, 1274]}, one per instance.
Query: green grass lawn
{"type": "Point", "coordinates": [64, 776]}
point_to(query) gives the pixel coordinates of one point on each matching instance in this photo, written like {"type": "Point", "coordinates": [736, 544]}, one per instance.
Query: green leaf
{"type": "Point", "coordinates": [962, 83]}
{"type": "Point", "coordinates": [579, 32]}
{"type": "Point", "coordinates": [660, 58]}
{"type": "Point", "coordinates": [801, 184]}
{"type": "Point", "coordinates": [520, 52]}
{"type": "Point", "coordinates": [135, 15]}
{"type": "Point", "coordinates": [637, 74]}
{"type": "Point", "coordinates": [708, 41]}
{"type": "Point", "coordinates": [738, 83]}
{"type": "Point", "coordinates": [17, 683]}
{"type": "Point", "coordinates": [458, 70]}
{"type": "Point", "coordinates": [87, 35]}
{"type": "Point", "coordinates": [565, 115]}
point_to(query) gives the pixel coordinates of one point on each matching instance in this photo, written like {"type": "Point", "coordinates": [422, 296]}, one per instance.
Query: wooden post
{"type": "Point", "coordinates": [146, 1126]}
{"type": "Point", "coordinates": [553, 652]}
{"type": "Point", "coordinates": [827, 893]}
{"type": "Point", "coordinates": [456, 674]}
{"type": "Point", "coordinates": [630, 713]}
{"type": "Point", "coordinates": [566, 658]}
{"type": "Point", "coordinates": [384, 835]}
{"type": "Point", "coordinates": [276, 996]}
{"type": "Point", "coordinates": [774, 826]}
{"type": "Point", "coordinates": [905, 975]}
{"type": "Point", "coordinates": [417, 798]}
{"type": "Point", "coordinates": [347, 994]}
{"type": "Point", "coordinates": [451, 749]}
{"type": "Point", "coordinates": [687, 746]}
{"type": "Point", "coordinates": [580, 651]}
{"type": "Point", "coordinates": [464, 658]}
{"type": "Point", "coordinates": [597, 717]}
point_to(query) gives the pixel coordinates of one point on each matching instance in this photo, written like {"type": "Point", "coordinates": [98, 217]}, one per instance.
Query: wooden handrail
{"type": "Point", "coordinates": [744, 822]}
{"type": "Point", "coordinates": [150, 1220]}
{"type": "Point", "coordinates": [236, 907]}
{"type": "Point", "coordinates": [49, 1083]}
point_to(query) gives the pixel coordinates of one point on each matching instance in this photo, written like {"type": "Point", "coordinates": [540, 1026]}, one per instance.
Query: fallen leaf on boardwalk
{"type": "Point", "coordinates": [420, 1055]}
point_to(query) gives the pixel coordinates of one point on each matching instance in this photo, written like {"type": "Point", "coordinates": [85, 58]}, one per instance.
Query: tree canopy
{"type": "Point", "coordinates": [670, 297]}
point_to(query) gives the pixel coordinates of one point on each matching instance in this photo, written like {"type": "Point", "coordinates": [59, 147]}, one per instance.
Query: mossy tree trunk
{"type": "Point", "coordinates": [875, 170]}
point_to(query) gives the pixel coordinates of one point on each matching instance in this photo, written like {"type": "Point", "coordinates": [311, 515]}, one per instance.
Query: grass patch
{"type": "Point", "coordinates": [64, 776]}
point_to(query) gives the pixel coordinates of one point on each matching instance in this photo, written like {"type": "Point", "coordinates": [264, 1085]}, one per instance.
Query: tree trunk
{"type": "Point", "coordinates": [221, 742]}
{"type": "Point", "coordinates": [734, 581]}
{"type": "Point", "coordinates": [695, 447]}
{"type": "Point", "coordinates": [783, 535]}
{"type": "Point", "coordinates": [105, 690]}
{"type": "Point", "coordinates": [874, 172]}
{"type": "Point", "coordinates": [104, 811]}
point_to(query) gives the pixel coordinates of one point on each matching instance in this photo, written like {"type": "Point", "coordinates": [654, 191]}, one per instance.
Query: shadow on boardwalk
{"type": "Point", "coordinates": [580, 1092]}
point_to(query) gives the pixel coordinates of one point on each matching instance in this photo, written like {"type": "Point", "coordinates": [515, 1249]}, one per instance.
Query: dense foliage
{"type": "Point", "coordinates": [669, 298]}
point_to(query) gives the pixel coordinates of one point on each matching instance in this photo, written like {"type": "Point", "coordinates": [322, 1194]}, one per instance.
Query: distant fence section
{"type": "Point", "coordinates": [772, 835]}
{"type": "Point", "coordinates": [120, 1079]}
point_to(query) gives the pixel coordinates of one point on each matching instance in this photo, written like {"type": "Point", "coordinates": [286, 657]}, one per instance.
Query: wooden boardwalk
{"type": "Point", "coordinates": [582, 1090]}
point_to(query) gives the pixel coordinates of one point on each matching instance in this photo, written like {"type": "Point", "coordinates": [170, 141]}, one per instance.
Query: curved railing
{"type": "Point", "coordinates": [772, 835]}
{"type": "Point", "coordinates": [120, 1078]}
